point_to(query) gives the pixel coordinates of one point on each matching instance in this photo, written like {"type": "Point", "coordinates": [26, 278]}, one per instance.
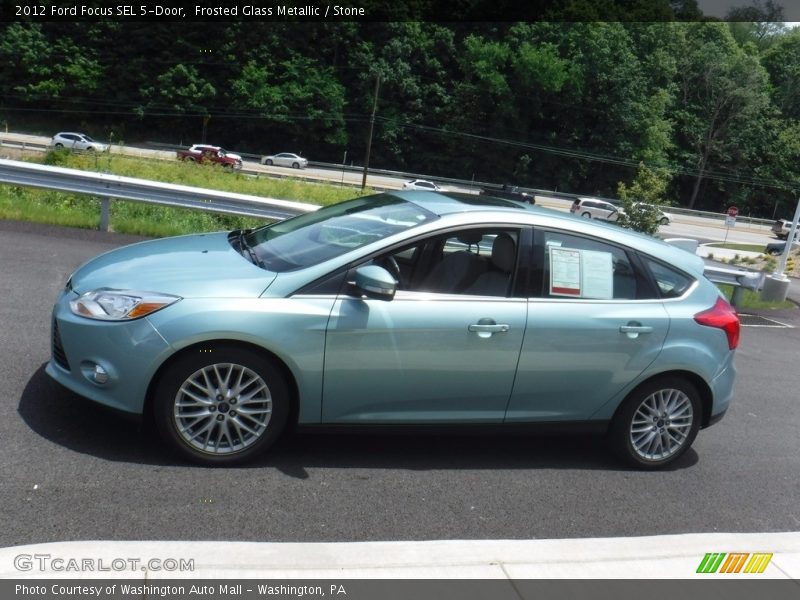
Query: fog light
{"type": "Point", "coordinates": [99, 374]}
{"type": "Point", "coordinates": [95, 373]}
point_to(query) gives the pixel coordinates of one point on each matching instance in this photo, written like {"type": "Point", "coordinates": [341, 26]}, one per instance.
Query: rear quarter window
{"type": "Point", "coordinates": [670, 282]}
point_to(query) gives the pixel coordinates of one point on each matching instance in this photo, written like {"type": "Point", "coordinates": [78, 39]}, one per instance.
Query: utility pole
{"type": "Point", "coordinates": [371, 128]}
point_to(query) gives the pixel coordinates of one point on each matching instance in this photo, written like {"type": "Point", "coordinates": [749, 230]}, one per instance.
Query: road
{"type": "Point", "coordinates": [73, 472]}
{"type": "Point", "coordinates": [697, 227]}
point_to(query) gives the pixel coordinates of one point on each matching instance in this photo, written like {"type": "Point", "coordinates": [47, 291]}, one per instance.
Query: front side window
{"type": "Point", "coordinates": [331, 231]}
{"type": "Point", "coordinates": [474, 262]}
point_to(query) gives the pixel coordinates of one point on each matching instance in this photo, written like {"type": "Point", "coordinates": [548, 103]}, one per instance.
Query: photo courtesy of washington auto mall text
{"type": "Point", "coordinates": [174, 589]}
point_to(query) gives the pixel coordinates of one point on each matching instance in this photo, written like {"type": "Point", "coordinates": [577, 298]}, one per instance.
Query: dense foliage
{"type": "Point", "coordinates": [713, 107]}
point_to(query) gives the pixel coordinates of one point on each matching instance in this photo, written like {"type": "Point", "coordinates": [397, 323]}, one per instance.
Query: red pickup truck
{"type": "Point", "coordinates": [212, 154]}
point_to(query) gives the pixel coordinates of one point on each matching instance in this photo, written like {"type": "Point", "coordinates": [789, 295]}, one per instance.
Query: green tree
{"type": "Point", "coordinates": [643, 200]}
{"type": "Point", "coordinates": [722, 91]}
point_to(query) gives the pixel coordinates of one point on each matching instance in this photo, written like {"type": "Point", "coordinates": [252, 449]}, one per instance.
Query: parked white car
{"type": "Point", "coordinates": [594, 208]}
{"type": "Point", "coordinates": [662, 217]}
{"type": "Point", "coordinates": [285, 159]}
{"type": "Point", "coordinates": [421, 184]}
{"type": "Point", "coordinates": [76, 141]}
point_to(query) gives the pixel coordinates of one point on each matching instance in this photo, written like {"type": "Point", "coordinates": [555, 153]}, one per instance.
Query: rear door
{"type": "Point", "coordinates": [594, 324]}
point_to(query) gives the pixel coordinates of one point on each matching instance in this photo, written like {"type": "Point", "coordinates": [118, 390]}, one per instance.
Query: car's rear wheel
{"type": "Point", "coordinates": [221, 405]}
{"type": "Point", "coordinates": [656, 423]}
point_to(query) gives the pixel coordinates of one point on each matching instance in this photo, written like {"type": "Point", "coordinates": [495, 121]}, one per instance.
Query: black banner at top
{"type": "Point", "coordinates": [374, 10]}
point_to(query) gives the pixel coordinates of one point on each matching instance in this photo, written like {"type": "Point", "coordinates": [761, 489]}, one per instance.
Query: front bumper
{"type": "Point", "coordinates": [128, 352]}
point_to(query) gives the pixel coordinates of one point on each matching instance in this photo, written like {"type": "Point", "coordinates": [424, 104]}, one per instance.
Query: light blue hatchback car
{"type": "Point", "coordinates": [404, 309]}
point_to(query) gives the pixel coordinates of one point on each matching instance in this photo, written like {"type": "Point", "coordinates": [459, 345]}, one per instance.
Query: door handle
{"type": "Point", "coordinates": [633, 329]}
{"type": "Point", "coordinates": [487, 327]}
{"type": "Point", "coordinates": [501, 328]}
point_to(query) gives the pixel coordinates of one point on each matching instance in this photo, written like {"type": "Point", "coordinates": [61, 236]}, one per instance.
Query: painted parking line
{"type": "Point", "coordinates": [761, 321]}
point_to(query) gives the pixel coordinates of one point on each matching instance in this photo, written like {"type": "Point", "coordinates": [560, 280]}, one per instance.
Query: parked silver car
{"type": "Point", "coordinates": [285, 159]}
{"type": "Point", "coordinates": [409, 308]}
{"type": "Point", "coordinates": [76, 141]}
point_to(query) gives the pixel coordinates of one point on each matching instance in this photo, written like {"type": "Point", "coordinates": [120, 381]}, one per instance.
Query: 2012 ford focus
{"type": "Point", "coordinates": [405, 309]}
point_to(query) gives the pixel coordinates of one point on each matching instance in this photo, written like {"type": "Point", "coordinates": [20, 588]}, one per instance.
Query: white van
{"type": "Point", "coordinates": [592, 208]}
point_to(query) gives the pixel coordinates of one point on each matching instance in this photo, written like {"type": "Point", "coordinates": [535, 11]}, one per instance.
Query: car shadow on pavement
{"type": "Point", "coordinates": [66, 419]}
{"type": "Point", "coordinates": [73, 422]}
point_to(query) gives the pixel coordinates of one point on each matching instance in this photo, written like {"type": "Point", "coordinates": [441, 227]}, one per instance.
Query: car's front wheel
{"type": "Point", "coordinates": [221, 405]}
{"type": "Point", "coordinates": [268, 162]}
{"type": "Point", "coordinates": [587, 215]}
{"type": "Point", "coordinates": [295, 165]}
{"type": "Point", "coordinates": [656, 423]}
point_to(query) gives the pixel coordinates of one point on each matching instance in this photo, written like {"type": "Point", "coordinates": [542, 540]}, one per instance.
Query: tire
{"type": "Point", "coordinates": [59, 146]}
{"type": "Point", "coordinates": [295, 165]}
{"type": "Point", "coordinates": [664, 221]}
{"type": "Point", "coordinates": [268, 163]}
{"type": "Point", "coordinates": [656, 423]}
{"type": "Point", "coordinates": [212, 429]}
{"type": "Point", "coordinates": [587, 215]}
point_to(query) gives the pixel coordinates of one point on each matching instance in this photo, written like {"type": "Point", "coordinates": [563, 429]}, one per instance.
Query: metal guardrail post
{"type": "Point", "coordinates": [737, 297]}
{"type": "Point", "coordinates": [105, 213]}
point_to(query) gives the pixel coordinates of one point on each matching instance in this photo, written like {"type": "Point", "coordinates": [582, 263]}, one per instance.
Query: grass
{"type": "Point", "coordinates": [752, 300]}
{"type": "Point", "coordinates": [79, 210]}
{"type": "Point", "coordinates": [732, 246]}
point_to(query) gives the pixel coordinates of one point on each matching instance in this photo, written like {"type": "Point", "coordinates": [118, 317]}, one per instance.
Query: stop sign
{"type": "Point", "coordinates": [733, 211]}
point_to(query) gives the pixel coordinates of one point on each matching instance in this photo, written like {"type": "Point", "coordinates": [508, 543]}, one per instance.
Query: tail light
{"type": "Point", "coordinates": [722, 316]}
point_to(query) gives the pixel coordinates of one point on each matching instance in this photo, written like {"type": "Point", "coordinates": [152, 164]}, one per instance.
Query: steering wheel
{"type": "Point", "coordinates": [390, 264]}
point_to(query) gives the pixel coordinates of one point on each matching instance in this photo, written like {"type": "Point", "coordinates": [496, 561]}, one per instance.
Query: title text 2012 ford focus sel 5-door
{"type": "Point", "coordinates": [405, 309]}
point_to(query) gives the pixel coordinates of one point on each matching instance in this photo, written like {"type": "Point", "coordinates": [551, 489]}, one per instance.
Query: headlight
{"type": "Point", "coordinates": [119, 305]}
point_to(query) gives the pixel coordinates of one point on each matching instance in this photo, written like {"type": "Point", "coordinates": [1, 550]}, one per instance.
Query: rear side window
{"type": "Point", "coordinates": [586, 268]}
{"type": "Point", "coordinates": [671, 282]}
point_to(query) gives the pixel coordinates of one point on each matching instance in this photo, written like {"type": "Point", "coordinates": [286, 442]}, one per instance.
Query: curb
{"type": "Point", "coordinates": [649, 557]}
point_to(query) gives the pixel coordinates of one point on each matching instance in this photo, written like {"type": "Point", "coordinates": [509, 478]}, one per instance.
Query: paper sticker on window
{"type": "Point", "coordinates": [598, 274]}
{"type": "Point", "coordinates": [581, 273]}
{"type": "Point", "coordinates": [565, 272]}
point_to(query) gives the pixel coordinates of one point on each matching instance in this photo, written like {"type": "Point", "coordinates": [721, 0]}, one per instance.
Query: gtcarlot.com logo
{"type": "Point", "coordinates": [734, 562]}
{"type": "Point", "coordinates": [48, 562]}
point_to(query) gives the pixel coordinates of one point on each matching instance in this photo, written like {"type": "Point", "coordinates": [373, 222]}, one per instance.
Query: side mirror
{"type": "Point", "coordinates": [375, 282]}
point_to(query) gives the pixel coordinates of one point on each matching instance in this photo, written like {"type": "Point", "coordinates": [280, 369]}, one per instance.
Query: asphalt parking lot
{"type": "Point", "coordinates": [73, 472]}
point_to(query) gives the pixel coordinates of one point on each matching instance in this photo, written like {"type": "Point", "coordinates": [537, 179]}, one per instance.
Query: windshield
{"type": "Point", "coordinates": [333, 230]}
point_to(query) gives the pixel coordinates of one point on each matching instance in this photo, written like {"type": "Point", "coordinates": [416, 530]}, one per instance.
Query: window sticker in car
{"type": "Point", "coordinates": [598, 274]}
{"type": "Point", "coordinates": [565, 272]}
{"type": "Point", "coordinates": [581, 273]}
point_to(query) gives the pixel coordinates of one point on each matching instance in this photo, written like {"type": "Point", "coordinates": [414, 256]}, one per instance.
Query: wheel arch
{"type": "Point", "coordinates": [288, 375]}
{"type": "Point", "coordinates": [706, 396]}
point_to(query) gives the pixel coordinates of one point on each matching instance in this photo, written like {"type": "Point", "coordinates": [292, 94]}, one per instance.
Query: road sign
{"type": "Point", "coordinates": [733, 211]}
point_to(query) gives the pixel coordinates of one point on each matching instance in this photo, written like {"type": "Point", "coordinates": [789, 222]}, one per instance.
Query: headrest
{"type": "Point", "coordinates": [470, 237]}
{"type": "Point", "coordinates": [504, 252]}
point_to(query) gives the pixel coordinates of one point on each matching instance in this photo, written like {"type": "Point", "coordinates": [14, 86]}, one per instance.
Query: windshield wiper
{"type": "Point", "coordinates": [245, 247]}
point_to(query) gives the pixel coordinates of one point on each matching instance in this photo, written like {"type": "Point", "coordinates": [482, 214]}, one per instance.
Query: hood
{"type": "Point", "coordinates": [233, 156]}
{"type": "Point", "coordinates": [190, 266]}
